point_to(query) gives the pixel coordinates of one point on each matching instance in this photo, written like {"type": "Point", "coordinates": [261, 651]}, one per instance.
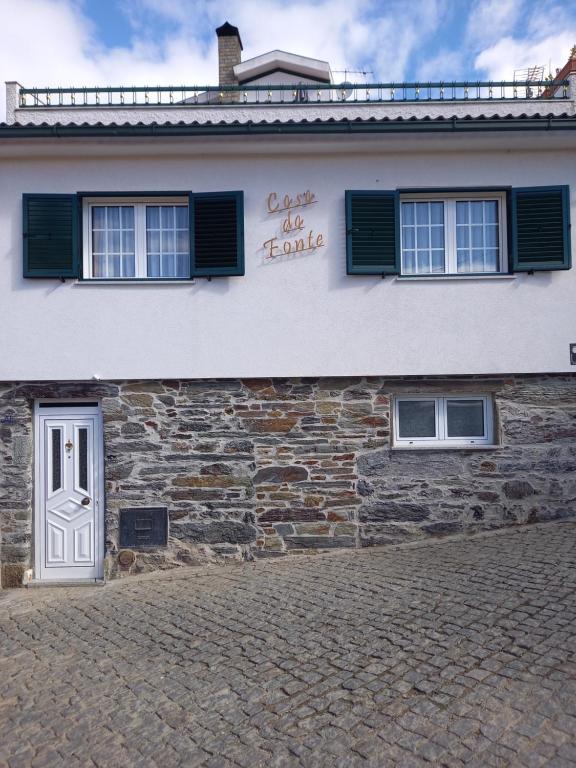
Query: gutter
{"type": "Point", "coordinates": [330, 127]}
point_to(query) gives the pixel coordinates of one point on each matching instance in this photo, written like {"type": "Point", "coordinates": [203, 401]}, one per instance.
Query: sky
{"type": "Point", "coordinates": [167, 42]}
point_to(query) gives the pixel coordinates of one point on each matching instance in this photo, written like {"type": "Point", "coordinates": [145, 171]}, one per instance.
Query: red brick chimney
{"type": "Point", "coordinates": [229, 53]}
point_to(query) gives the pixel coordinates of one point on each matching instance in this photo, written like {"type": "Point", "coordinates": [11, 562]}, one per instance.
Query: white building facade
{"type": "Point", "coordinates": [254, 320]}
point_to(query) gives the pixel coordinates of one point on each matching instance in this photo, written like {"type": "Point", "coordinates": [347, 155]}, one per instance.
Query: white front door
{"type": "Point", "coordinates": [69, 510]}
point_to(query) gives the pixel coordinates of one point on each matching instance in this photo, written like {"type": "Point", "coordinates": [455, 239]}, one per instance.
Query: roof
{"type": "Point", "coordinates": [465, 124]}
{"type": "Point", "coordinates": [291, 63]}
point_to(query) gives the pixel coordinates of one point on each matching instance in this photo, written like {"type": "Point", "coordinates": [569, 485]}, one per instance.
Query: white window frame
{"type": "Point", "coordinates": [450, 252]}
{"type": "Point", "coordinates": [441, 440]}
{"type": "Point", "coordinates": [141, 260]}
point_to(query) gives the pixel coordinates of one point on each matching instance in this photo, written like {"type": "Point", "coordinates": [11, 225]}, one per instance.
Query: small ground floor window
{"type": "Point", "coordinates": [451, 421]}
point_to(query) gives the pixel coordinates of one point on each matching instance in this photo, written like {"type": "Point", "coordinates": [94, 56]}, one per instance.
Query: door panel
{"type": "Point", "coordinates": [69, 517]}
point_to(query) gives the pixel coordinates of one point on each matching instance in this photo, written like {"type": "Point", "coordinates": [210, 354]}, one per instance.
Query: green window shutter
{"type": "Point", "coordinates": [540, 228]}
{"type": "Point", "coordinates": [50, 229]}
{"type": "Point", "coordinates": [372, 233]}
{"type": "Point", "coordinates": [216, 234]}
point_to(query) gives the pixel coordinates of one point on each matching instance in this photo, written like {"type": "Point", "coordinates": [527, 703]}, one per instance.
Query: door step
{"type": "Point", "coordinates": [37, 583]}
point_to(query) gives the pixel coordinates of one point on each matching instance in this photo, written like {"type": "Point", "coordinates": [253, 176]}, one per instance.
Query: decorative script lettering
{"type": "Point", "coordinates": [302, 238]}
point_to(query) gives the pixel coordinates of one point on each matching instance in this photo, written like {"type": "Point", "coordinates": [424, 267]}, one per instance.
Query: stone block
{"type": "Point", "coordinates": [517, 489]}
{"type": "Point", "coordinates": [11, 575]}
{"type": "Point", "coordinates": [312, 529]}
{"type": "Point", "coordinates": [225, 532]}
{"type": "Point", "coordinates": [443, 528]}
{"type": "Point", "coordinates": [291, 515]}
{"type": "Point", "coordinates": [319, 542]}
{"type": "Point", "coordinates": [284, 529]}
{"type": "Point", "coordinates": [391, 511]}
{"type": "Point", "coordinates": [260, 426]}
{"type": "Point", "coordinates": [279, 475]}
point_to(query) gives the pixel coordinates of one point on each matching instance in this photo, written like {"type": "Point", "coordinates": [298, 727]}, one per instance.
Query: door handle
{"type": "Point", "coordinates": [85, 501]}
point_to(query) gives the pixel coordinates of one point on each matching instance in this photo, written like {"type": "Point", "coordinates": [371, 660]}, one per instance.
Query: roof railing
{"type": "Point", "coordinates": [301, 94]}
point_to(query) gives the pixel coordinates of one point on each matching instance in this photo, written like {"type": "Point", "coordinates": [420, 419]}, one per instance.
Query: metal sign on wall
{"type": "Point", "coordinates": [295, 236]}
{"type": "Point", "coordinates": [144, 527]}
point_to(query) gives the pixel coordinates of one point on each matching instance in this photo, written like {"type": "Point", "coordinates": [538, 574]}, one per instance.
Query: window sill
{"type": "Point", "coordinates": [479, 447]}
{"type": "Point", "coordinates": [476, 276]}
{"type": "Point", "coordinates": [134, 281]}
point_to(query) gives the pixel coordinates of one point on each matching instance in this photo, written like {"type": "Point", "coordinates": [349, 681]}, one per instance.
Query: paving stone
{"type": "Point", "coordinates": [408, 657]}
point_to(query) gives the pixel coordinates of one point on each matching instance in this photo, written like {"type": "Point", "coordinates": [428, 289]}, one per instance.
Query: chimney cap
{"type": "Point", "coordinates": [227, 30]}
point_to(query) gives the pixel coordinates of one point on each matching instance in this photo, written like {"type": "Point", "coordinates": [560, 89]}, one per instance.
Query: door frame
{"type": "Point", "coordinates": [68, 408]}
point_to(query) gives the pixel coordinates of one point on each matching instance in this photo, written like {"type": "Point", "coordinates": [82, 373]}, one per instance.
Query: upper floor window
{"type": "Point", "coordinates": [453, 234]}
{"type": "Point", "coordinates": [136, 239]}
{"type": "Point", "coordinates": [125, 236]}
{"type": "Point", "coordinates": [457, 232]}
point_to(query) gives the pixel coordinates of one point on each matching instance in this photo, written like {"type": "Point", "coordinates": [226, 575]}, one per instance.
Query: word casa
{"type": "Point", "coordinates": [291, 223]}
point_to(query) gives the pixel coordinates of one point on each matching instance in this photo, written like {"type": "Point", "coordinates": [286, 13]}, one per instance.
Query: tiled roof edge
{"type": "Point", "coordinates": [424, 124]}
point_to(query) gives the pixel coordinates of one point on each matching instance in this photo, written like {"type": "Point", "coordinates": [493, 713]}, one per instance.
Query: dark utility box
{"type": "Point", "coordinates": [144, 527]}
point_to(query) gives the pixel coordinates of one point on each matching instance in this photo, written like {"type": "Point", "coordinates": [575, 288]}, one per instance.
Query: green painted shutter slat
{"type": "Point", "coordinates": [50, 233]}
{"type": "Point", "coordinates": [372, 233]}
{"type": "Point", "coordinates": [540, 228]}
{"type": "Point", "coordinates": [216, 234]}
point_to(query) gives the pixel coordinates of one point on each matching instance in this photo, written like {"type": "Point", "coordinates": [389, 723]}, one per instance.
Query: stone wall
{"type": "Point", "coordinates": [263, 468]}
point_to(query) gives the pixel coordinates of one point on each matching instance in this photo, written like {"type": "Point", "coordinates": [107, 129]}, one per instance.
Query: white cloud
{"type": "Point", "coordinates": [500, 60]}
{"type": "Point", "coordinates": [490, 20]}
{"type": "Point", "coordinates": [54, 43]}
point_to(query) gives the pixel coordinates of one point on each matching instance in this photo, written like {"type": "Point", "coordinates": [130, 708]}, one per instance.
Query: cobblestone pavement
{"type": "Point", "coordinates": [455, 652]}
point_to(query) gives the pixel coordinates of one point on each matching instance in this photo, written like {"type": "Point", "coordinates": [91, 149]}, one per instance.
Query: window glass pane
{"type": "Point", "coordinates": [182, 241]}
{"type": "Point", "coordinates": [181, 216]}
{"type": "Point", "coordinates": [437, 213]}
{"type": "Point", "coordinates": [56, 459]}
{"type": "Point", "coordinates": [422, 237]}
{"type": "Point", "coordinates": [153, 241]}
{"type": "Point", "coordinates": [477, 237]}
{"type": "Point", "coordinates": [477, 260]}
{"type": "Point", "coordinates": [153, 265]}
{"type": "Point", "coordinates": [128, 242]}
{"type": "Point", "coordinates": [463, 237]}
{"type": "Point", "coordinates": [422, 216]}
{"type": "Point", "coordinates": [491, 236]}
{"type": "Point", "coordinates": [465, 418]}
{"type": "Point", "coordinates": [113, 265]}
{"type": "Point", "coordinates": [491, 211]}
{"type": "Point", "coordinates": [408, 213]}
{"type": "Point", "coordinates": [463, 261]}
{"type": "Point", "coordinates": [128, 265]}
{"type": "Point", "coordinates": [423, 261]}
{"type": "Point", "coordinates": [408, 238]}
{"type": "Point", "coordinates": [462, 214]}
{"type": "Point", "coordinates": [99, 242]}
{"type": "Point", "coordinates": [477, 212]}
{"type": "Point", "coordinates": [113, 217]}
{"type": "Point", "coordinates": [409, 262]}
{"type": "Point", "coordinates": [83, 458]}
{"type": "Point", "coordinates": [437, 261]}
{"type": "Point", "coordinates": [491, 260]}
{"type": "Point", "coordinates": [98, 217]}
{"type": "Point", "coordinates": [417, 418]}
{"type": "Point", "coordinates": [167, 241]}
{"type": "Point", "coordinates": [437, 237]}
{"type": "Point", "coordinates": [167, 216]}
{"type": "Point", "coordinates": [152, 217]}
{"type": "Point", "coordinates": [182, 266]}
{"type": "Point", "coordinates": [127, 217]}
{"type": "Point", "coordinates": [99, 265]}
{"type": "Point", "coordinates": [113, 241]}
